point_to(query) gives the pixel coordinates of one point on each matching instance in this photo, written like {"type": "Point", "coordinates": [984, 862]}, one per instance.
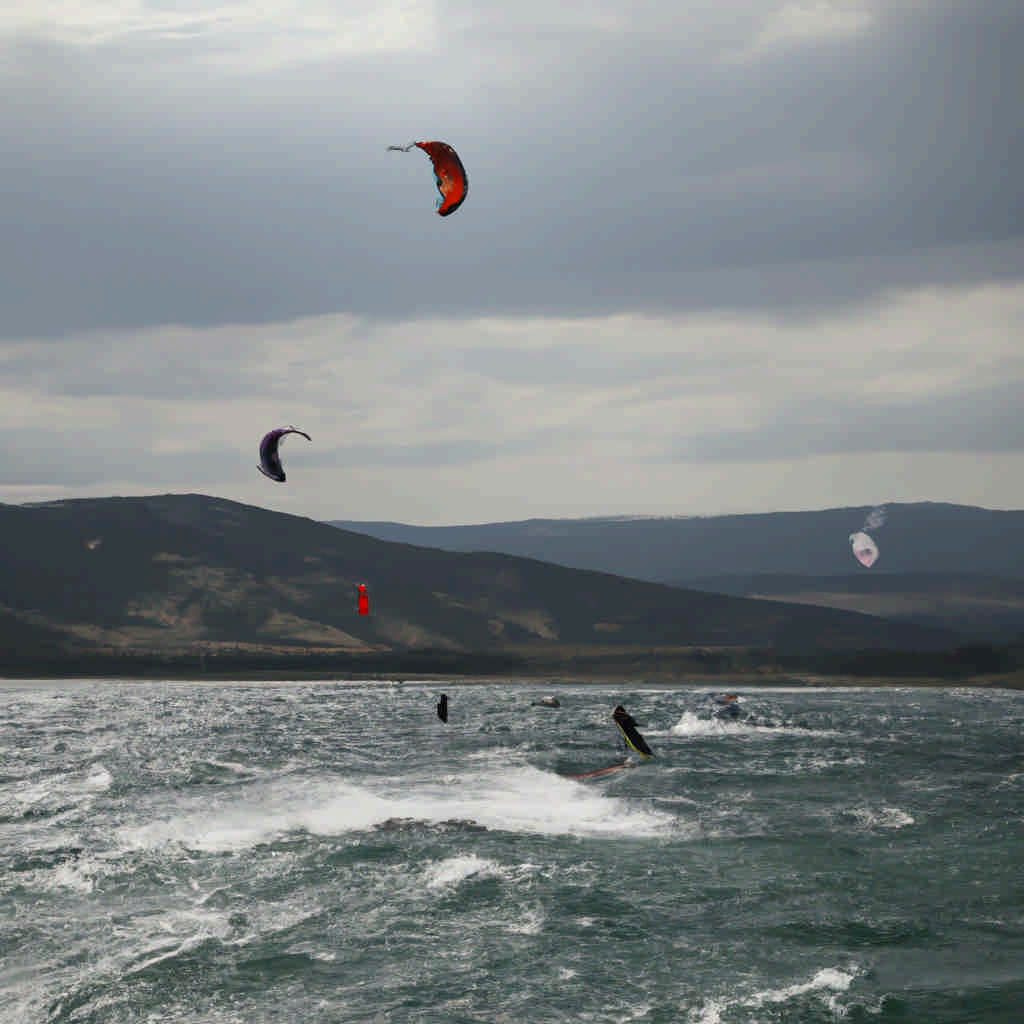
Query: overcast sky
{"type": "Point", "coordinates": [717, 256]}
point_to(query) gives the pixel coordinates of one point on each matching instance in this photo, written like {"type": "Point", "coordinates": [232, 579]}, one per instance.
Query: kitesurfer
{"type": "Point", "coordinates": [630, 734]}
{"type": "Point", "coordinates": [728, 706]}
{"type": "Point", "coordinates": [633, 740]}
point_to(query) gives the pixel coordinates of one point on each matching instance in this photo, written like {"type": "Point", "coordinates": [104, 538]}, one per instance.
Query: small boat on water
{"type": "Point", "coordinates": [547, 702]}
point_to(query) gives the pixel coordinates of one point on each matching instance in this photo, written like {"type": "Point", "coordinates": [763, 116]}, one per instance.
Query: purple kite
{"type": "Point", "coordinates": [270, 462]}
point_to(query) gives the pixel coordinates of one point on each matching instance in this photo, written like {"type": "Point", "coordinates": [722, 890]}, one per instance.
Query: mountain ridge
{"type": "Point", "coordinates": [166, 573]}
{"type": "Point", "coordinates": [941, 564]}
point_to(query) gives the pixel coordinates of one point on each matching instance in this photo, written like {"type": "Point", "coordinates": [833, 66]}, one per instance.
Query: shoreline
{"type": "Point", "coordinates": [796, 680]}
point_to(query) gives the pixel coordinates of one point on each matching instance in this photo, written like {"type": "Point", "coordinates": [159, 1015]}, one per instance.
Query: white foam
{"type": "Point", "coordinates": [520, 799]}
{"type": "Point", "coordinates": [529, 924]}
{"type": "Point", "coordinates": [831, 982]}
{"type": "Point", "coordinates": [692, 725]}
{"type": "Point", "coordinates": [453, 870]}
{"type": "Point", "coordinates": [186, 946]}
{"type": "Point", "coordinates": [54, 792]}
{"type": "Point", "coordinates": [709, 1013]}
{"type": "Point", "coordinates": [881, 817]}
{"type": "Point", "coordinates": [828, 979]}
{"type": "Point", "coordinates": [98, 779]}
{"type": "Point", "coordinates": [79, 875]}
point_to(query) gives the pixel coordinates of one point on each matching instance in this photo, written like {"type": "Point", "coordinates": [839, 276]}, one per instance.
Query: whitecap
{"type": "Point", "coordinates": [453, 870]}
{"type": "Point", "coordinates": [879, 817]}
{"type": "Point", "coordinates": [691, 725]}
{"type": "Point", "coordinates": [98, 779]}
{"type": "Point", "coordinates": [78, 875]}
{"type": "Point", "coordinates": [529, 924]}
{"type": "Point", "coordinates": [828, 979]}
{"type": "Point", "coordinates": [830, 983]}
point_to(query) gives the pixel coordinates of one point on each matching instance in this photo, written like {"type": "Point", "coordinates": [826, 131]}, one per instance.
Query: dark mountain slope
{"type": "Point", "coordinates": [177, 572]}
{"type": "Point", "coordinates": [922, 537]}
{"type": "Point", "coordinates": [949, 566]}
{"type": "Point", "coordinates": [985, 608]}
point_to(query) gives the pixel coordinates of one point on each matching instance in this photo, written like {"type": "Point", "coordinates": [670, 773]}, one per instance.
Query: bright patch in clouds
{"type": "Point", "coordinates": [245, 34]}
{"type": "Point", "coordinates": [718, 256]}
{"type": "Point", "coordinates": [802, 22]}
{"type": "Point", "coordinates": [463, 420]}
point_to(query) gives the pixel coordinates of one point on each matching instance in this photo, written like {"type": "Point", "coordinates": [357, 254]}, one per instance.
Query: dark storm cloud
{"type": "Point", "coordinates": [612, 167]}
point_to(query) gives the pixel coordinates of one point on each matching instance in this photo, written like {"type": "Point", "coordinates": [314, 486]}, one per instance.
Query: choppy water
{"type": "Point", "coordinates": [332, 853]}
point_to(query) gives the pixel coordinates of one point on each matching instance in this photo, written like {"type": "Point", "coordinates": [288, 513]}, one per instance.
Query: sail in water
{"type": "Point", "coordinates": [627, 726]}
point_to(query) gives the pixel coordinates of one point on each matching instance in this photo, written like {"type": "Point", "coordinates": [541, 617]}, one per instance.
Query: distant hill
{"type": "Point", "coordinates": [983, 608]}
{"type": "Point", "coordinates": [954, 566]}
{"type": "Point", "coordinates": [191, 572]}
{"type": "Point", "coordinates": [920, 538]}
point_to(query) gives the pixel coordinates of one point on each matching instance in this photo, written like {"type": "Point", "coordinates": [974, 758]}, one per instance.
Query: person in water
{"type": "Point", "coordinates": [627, 725]}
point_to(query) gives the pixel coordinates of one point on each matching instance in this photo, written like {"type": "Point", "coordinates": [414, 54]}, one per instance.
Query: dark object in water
{"type": "Point", "coordinates": [629, 731]}
{"type": "Point", "coordinates": [547, 702]}
{"type": "Point", "coordinates": [728, 706]}
{"type": "Point", "coordinates": [442, 707]}
{"type": "Point", "coordinates": [450, 825]}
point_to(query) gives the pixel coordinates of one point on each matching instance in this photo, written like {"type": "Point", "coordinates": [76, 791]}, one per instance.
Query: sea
{"type": "Point", "coordinates": [321, 852]}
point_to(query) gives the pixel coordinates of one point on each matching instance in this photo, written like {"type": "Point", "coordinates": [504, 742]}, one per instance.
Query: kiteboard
{"type": "Point", "coordinates": [601, 771]}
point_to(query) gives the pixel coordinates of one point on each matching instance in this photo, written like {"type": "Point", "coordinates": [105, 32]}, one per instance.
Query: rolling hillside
{"type": "Point", "coordinates": [190, 572]}
{"type": "Point", "coordinates": [952, 566]}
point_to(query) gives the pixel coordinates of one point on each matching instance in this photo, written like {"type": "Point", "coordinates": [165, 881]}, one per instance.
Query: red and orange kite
{"type": "Point", "coordinates": [452, 182]}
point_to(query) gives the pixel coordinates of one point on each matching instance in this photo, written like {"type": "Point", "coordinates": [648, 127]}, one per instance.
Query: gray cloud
{"type": "Point", "coordinates": [983, 421]}
{"type": "Point", "coordinates": [110, 458]}
{"type": "Point", "coordinates": [739, 256]}
{"type": "Point", "coordinates": [616, 163]}
{"type": "Point", "coordinates": [468, 419]}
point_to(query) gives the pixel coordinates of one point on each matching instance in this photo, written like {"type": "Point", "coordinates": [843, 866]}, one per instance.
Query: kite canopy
{"type": "Point", "coordinates": [864, 549]}
{"type": "Point", "coordinates": [452, 181]}
{"type": "Point", "coordinates": [270, 461]}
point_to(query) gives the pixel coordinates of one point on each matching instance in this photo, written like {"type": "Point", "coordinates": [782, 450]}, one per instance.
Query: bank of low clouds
{"type": "Point", "coordinates": [727, 256]}
{"type": "Point", "coordinates": [466, 420]}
